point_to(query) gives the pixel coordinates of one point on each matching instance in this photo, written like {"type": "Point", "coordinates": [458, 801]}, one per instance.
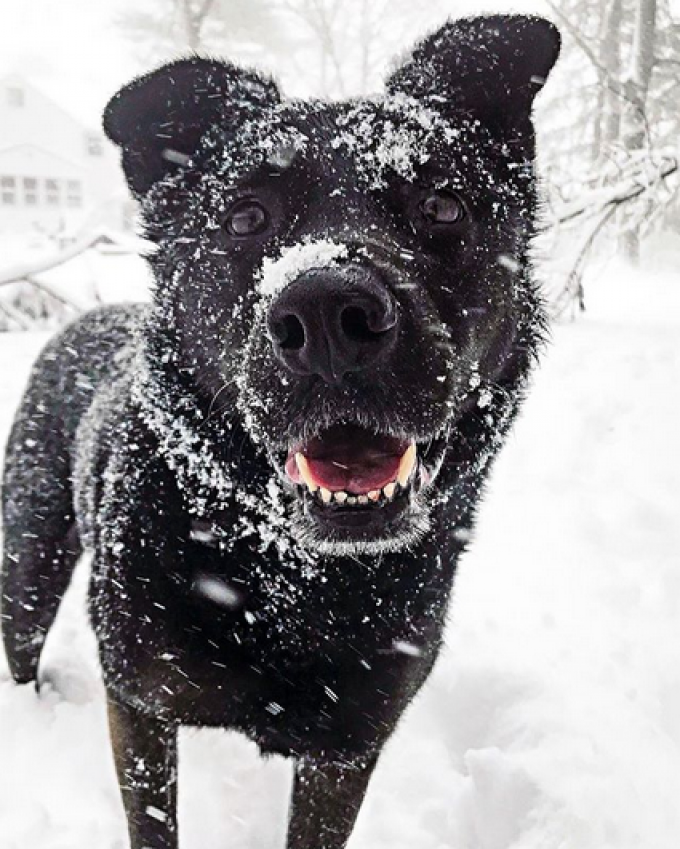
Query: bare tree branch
{"type": "Point", "coordinates": [600, 199]}
{"type": "Point", "coordinates": [26, 270]}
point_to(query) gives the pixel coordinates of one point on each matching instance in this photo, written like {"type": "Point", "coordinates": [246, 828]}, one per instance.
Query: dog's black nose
{"type": "Point", "coordinates": [334, 321]}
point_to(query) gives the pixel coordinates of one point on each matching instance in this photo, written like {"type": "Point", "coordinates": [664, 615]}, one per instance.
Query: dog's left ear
{"type": "Point", "coordinates": [491, 67]}
{"type": "Point", "coordinates": [158, 120]}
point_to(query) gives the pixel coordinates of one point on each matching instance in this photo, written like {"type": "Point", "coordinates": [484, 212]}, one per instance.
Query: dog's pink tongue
{"type": "Point", "coordinates": [350, 459]}
{"type": "Point", "coordinates": [356, 478]}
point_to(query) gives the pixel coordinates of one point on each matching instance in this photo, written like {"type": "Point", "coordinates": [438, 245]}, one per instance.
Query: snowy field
{"type": "Point", "coordinates": [553, 718]}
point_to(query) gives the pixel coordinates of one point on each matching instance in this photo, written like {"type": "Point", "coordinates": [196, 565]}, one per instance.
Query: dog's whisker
{"type": "Point", "coordinates": [217, 394]}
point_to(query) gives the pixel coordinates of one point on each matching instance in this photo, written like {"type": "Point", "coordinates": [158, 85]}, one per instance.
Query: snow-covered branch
{"type": "Point", "coordinates": [27, 269]}
{"type": "Point", "coordinates": [647, 175]}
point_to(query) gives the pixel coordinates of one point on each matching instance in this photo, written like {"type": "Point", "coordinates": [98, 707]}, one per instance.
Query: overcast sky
{"type": "Point", "coordinates": [74, 52]}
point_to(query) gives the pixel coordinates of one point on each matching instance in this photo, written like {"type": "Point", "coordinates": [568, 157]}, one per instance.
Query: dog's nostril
{"type": "Point", "coordinates": [363, 325]}
{"type": "Point", "coordinates": [289, 333]}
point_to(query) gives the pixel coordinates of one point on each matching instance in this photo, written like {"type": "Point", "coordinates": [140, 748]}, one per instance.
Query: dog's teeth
{"type": "Point", "coordinates": [407, 464]}
{"type": "Point", "coordinates": [326, 495]}
{"type": "Point", "coordinates": [341, 497]}
{"type": "Point", "coordinates": [305, 474]}
{"type": "Point", "coordinates": [374, 495]}
{"type": "Point", "coordinates": [363, 499]}
{"type": "Point", "coordinates": [351, 499]}
{"type": "Point", "coordinates": [389, 490]}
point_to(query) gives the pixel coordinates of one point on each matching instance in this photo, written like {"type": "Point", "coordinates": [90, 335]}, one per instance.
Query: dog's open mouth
{"type": "Point", "coordinates": [348, 467]}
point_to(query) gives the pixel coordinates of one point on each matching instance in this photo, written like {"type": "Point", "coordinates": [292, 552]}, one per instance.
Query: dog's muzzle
{"type": "Point", "coordinates": [349, 439]}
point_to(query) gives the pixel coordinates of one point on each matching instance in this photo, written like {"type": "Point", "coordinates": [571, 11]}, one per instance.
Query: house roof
{"type": "Point", "coordinates": [7, 80]}
{"type": "Point", "coordinates": [44, 150]}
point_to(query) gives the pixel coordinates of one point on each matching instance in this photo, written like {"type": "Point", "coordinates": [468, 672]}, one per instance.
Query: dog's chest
{"type": "Point", "coordinates": [247, 639]}
{"type": "Point", "coordinates": [275, 600]}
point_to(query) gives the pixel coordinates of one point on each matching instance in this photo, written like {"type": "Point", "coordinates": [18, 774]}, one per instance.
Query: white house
{"type": "Point", "coordinates": [57, 177]}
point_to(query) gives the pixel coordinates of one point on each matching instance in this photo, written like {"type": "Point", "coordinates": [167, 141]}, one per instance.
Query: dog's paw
{"type": "Point", "coordinates": [8, 678]}
{"type": "Point", "coordinates": [18, 677]}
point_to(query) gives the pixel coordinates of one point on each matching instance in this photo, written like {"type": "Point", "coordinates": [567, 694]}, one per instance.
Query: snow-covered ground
{"type": "Point", "coordinates": [553, 719]}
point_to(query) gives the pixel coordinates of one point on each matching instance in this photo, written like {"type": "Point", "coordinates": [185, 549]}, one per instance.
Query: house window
{"type": "Point", "coordinates": [8, 191]}
{"type": "Point", "coordinates": [95, 146]}
{"type": "Point", "coordinates": [74, 193]}
{"type": "Point", "coordinates": [15, 96]}
{"type": "Point", "coordinates": [52, 192]}
{"type": "Point", "coordinates": [30, 191]}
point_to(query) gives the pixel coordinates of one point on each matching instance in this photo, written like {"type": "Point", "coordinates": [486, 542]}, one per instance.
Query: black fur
{"type": "Point", "coordinates": [156, 437]}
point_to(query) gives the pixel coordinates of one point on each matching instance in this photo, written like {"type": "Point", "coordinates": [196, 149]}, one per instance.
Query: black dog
{"type": "Point", "coordinates": [277, 464]}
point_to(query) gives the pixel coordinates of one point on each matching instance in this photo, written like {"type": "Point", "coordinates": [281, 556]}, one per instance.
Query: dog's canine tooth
{"type": "Point", "coordinates": [326, 495]}
{"type": "Point", "coordinates": [305, 474]}
{"type": "Point", "coordinates": [389, 490]}
{"type": "Point", "coordinates": [374, 495]}
{"type": "Point", "coordinates": [407, 464]}
{"type": "Point", "coordinates": [341, 497]}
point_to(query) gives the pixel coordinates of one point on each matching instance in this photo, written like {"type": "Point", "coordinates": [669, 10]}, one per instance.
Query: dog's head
{"type": "Point", "coordinates": [350, 276]}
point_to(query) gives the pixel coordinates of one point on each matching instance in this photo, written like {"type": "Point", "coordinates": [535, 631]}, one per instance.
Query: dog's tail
{"type": "Point", "coordinates": [41, 541]}
{"type": "Point", "coordinates": [41, 544]}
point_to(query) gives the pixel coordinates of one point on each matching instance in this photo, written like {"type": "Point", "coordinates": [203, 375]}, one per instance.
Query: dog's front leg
{"type": "Point", "coordinates": [145, 752]}
{"type": "Point", "coordinates": [326, 799]}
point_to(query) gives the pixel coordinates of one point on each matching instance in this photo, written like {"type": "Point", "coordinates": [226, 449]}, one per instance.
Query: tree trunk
{"type": "Point", "coordinates": [191, 34]}
{"type": "Point", "coordinates": [612, 102]}
{"type": "Point", "coordinates": [194, 15]}
{"type": "Point", "coordinates": [635, 136]}
{"type": "Point", "coordinates": [366, 37]}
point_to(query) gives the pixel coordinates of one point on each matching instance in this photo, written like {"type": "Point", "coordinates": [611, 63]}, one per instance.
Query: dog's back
{"type": "Point", "coordinates": [41, 539]}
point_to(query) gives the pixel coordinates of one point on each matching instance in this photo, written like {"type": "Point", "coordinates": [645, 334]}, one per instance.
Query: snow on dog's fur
{"type": "Point", "coordinates": [277, 463]}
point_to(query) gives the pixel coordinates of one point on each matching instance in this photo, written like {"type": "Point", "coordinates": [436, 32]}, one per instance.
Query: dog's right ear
{"type": "Point", "coordinates": [491, 67]}
{"type": "Point", "coordinates": [159, 119]}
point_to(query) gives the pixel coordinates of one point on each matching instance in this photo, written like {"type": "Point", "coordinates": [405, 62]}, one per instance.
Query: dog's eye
{"type": "Point", "coordinates": [246, 218]}
{"type": "Point", "coordinates": [442, 207]}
